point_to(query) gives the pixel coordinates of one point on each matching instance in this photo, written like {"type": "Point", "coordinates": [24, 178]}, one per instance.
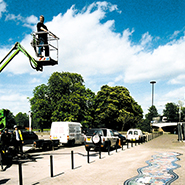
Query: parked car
{"type": "Point", "coordinates": [29, 137]}
{"type": "Point", "coordinates": [121, 137]}
{"type": "Point", "coordinates": [135, 135]}
{"type": "Point", "coordinates": [103, 137]}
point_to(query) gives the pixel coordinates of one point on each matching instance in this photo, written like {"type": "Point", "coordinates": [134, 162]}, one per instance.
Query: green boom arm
{"type": "Point", "coordinates": [2, 119]}
{"type": "Point", "coordinates": [15, 49]}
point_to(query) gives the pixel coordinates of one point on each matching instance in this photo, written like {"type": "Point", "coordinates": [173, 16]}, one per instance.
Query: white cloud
{"type": "Point", "coordinates": [13, 102]}
{"type": "Point", "coordinates": [178, 93]}
{"type": "Point", "coordinates": [35, 80]}
{"type": "Point", "coordinates": [27, 22]}
{"type": "Point", "coordinates": [175, 34]}
{"type": "Point", "coordinates": [2, 7]}
{"type": "Point", "coordinates": [146, 38]}
{"type": "Point", "coordinates": [92, 48]}
{"type": "Point", "coordinates": [180, 79]}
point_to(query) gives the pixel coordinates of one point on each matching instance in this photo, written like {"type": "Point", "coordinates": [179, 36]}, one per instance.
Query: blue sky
{"type": "Point", "coordinates": [116, 42]}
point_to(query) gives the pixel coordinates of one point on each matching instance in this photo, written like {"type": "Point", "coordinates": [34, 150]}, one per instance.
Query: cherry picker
{"type": "Point", "coordinates": [39, 62]}
{"type": "Point", "coordinates": [2, 119]}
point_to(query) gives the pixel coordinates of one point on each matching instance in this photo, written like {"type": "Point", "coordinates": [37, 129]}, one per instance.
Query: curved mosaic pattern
{"type": "Point", "coordinates": [159, 170]}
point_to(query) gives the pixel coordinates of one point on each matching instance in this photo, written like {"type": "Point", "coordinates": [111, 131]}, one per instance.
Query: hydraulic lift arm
{"type": "Point", "coordinates": [2, 119]}
{"type": "Point", "coordinates": [16, 49]}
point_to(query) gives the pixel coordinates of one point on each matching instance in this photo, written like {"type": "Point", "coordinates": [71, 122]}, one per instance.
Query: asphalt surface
{"type": "Point", "coordinates": [113, 169]}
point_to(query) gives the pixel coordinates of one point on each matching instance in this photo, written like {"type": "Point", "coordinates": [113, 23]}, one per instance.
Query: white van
{"type": "Point", "coordinates": [67, 132]}
{"type": "Point", "coordinates": [135, 135]}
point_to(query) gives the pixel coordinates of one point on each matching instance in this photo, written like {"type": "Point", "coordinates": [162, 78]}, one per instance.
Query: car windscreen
{"type": "Point", "coordinates": [135, 132]}
{"type": "Point", "coordinates": [92, 132]}
{"type": "Point", "coordinates": [130, 132]}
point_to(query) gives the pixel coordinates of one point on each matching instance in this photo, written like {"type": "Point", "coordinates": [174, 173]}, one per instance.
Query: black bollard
{"type": "Point", "coordinates": [87, 156]}
{"type": "Point", "coordinates": [99, 151]}
{"type": "Point", "coordinates": [127, 144]}
{"type": "Point", "coordinates": [108, 148]}
{"type": "Point", "coordinates": [72, 160]}
{"type": "Point", "coordinates": [1, 161]}
{"type": "Point", "coordinates": [20, 174]}
{"type": "Point", "coordinates": [116, 146]}
{"type": "Point", "coordinates": [51, 165]}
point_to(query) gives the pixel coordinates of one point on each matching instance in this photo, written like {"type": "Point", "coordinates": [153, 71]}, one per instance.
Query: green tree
{"type": "Point", "coordinates": [115, 108]}
{"type": "Point", "coordinates": [10, 119]}
{"type": "Point", "coordinates": [69, 97]}
{"type": "Point", "coordinates": [22, 120]}
{"type": "Point", "coordinates": [171, 111]}
{"type": "Point", "coordinates": [41, 107]}
{"type": "Point", "coordinates": [149, 117]}
{"type": "Point", "coordinates": [64, 98]}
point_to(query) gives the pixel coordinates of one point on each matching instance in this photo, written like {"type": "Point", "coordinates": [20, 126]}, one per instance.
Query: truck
{"type": "Point", "coordinates": [68, 133]}
{"type": "Point", "coordinates": [107, 138]}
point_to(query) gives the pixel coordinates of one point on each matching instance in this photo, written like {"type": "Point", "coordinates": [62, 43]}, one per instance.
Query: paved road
{"type": "Point", "coordinates": [111, 169]}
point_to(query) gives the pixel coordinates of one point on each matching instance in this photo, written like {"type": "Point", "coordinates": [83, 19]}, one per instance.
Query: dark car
{"type": "Point", "coordinates": [29, 137]}
{"type": "Point", "coordinates": [122, 137]}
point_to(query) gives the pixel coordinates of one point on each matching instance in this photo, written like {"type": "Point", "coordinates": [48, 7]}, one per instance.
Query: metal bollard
{"type": "Point", "coordinates": [51, 165]}
{"type": "Point", "coordinates": [127, 144]}
{"type": "Point", "coordinates": [20, 174]}
{"type": "Point", "coordinates": [1, 162]}
{"type": "Point", "coordinates": [72, 160]}
{"type": "Point", "coordinates": [87, 156]}
{"type": "Point", "coordinates": [108, 149]}
{"type": "Point", "coordinates": [99, 151]}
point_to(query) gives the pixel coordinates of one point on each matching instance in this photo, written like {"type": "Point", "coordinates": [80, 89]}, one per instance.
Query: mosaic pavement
{"type": "Point", "coordinates": [159, 170]}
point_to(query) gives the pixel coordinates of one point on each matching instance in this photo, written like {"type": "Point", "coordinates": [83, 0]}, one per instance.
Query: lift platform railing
{"type": "Point", "coordinates": [52, 43]}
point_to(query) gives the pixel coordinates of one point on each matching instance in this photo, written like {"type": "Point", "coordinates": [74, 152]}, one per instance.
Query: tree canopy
{"type": "Point", "coordinates": [115, 108]}
{"type": "Point", "coordinates": [22, 119]}
{"type": "Point", "coordinates": [171, 111]}
{"type": "Point", "coordinates": [64, 98]}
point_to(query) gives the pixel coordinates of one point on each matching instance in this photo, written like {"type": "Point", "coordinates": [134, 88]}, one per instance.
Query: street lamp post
{"type": "Point", "coordinates": [30, 121]}
{"type": "Point", "coordinates": [152, 82]}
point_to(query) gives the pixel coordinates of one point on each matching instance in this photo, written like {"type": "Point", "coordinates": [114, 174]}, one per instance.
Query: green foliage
{"type": "Point", "coordinates": [171, 111]}
{"type": "Point", "coordinates": [115, 108]}
{"type": "Point", "coordinates": [152, 113]}
{"type": "Point", "coordinates": [41, 107]}
{"type": "Point", "coordinates": [149, 117]}
{"type": "Point", "coordinates": [22, 119]}
{"type": "Point", "coordinates": [10, 119]}
{"type": "Point", "coordinates": [65, 98]}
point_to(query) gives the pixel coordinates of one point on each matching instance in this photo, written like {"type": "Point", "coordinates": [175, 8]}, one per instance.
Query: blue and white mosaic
{"type": "Point", "coordinates": [159, 170]}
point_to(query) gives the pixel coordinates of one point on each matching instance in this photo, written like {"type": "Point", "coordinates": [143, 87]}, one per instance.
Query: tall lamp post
{"type": "Point", "coordinates": [29, 121]}
{"type": "Point", "coordinates": [152, 82]}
